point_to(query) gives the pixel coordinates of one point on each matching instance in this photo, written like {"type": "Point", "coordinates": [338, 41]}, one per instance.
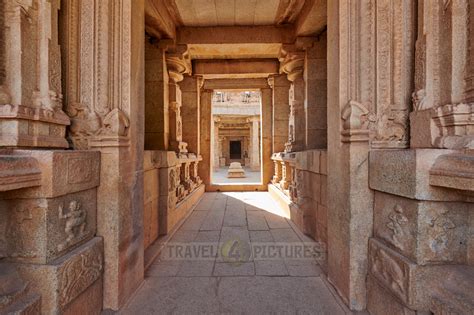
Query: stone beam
{"type": "Point", "coordinates": [235, 84]}
{"type": "Point", "coordinates": [232, 67]}
{"type": "Point", "coordinates": [313, 18]}
{"type": "Point", "coordinates": [235, 35]}
{"type": "Point", "coordinates": [158, 22]}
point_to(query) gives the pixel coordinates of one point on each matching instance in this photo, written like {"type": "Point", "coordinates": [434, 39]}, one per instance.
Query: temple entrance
{"type": "Point", "coordinates": [236, 140]}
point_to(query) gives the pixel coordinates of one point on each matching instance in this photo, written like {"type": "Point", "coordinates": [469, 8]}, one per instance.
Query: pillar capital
{"type": "Point", "coordinates": [291, 62]}
{"type": "Point", "coordinates": [178, 62]}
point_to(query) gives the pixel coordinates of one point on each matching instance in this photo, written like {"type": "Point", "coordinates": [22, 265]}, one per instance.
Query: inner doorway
{"type": "Point", "coordinates": [236, 137]}
{"type": "Point", "coordinates": [235, 150]}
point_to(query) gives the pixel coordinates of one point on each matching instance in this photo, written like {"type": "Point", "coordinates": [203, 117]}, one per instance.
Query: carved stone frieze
{"type": "Point", "coordinates": [64, 280]}
{"type": "Point", "coordinates": [391, 270]}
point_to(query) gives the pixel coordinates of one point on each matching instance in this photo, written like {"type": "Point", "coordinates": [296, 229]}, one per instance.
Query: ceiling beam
{"type": "Point", "coordinates": [313, 18]}
{"type": "Point", "coordinates": [236, 67]}
{"type": "Point", "coordinates": [236, 35]}
{"type": "Point", "coordinates": [158, 21]}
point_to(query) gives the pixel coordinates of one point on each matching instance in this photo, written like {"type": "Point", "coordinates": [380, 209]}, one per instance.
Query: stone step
{"type": "Point", "coordinates": [27, 305]}
{"type": "Point", "coordinates": [12, 287]}
{"type": "Point", "coordinates": [14, 295]}
{"type": "Point", "coordinates": [454, 294]}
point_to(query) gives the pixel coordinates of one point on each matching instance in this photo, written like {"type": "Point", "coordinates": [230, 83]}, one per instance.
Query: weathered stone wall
{"type": "Point", "coordinates": [48, 234]}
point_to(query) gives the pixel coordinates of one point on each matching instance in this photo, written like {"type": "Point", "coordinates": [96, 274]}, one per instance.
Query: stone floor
{"type": "Point", "coordinates": [225, 283]}
{"type": "Point", "coordinates": [219, 177]}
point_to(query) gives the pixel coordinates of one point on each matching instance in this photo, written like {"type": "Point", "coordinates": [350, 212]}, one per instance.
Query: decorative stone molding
{"type": "Point", "coordinates": [291, 63]}
{"type": "Point", "coordinates": [455, 126]}
{"type": "Point", "coordinates": [178, 62]}
{"type": "Point", "coordinates": [455, 171]}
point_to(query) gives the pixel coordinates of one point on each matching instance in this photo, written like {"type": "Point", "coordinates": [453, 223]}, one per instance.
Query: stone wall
{"type": "Point", "coordinates": [421, 230]}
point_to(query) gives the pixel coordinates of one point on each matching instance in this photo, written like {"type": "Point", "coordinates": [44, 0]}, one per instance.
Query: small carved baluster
{"type": "Point", "coordinates": [180, 191]}
{"type": "Point", "coordinates": [293, 192]}
{"type": "Point", "coordinates": [195, 174]}
{"type": "Point", "coordinates": [286, 175]}
{"type": "Point", "coordinates": [277, 175]}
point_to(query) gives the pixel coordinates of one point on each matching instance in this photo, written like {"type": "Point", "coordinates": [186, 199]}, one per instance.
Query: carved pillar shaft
{"type": "Point", "coordinates": [280, 116]}
{"type": "Point", "coordinates": [292, 63]}
{"type": "Point", "coordinates": [469, 80]}
{"type": "Point", "coordinates": [255, 145]}
{"type": "Point", "coordinates": [395, 40]}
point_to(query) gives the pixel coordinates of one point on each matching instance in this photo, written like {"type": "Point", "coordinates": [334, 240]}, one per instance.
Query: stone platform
{"type": "Point", "coordinates": [235, 170]}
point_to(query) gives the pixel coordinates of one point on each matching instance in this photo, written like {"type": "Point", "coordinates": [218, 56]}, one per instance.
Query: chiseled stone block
{"type": "Point", "coordinates": [426, 232]}
{"type": "Point", "coordinates": [41, 230]}
{"type": "Point", "coordinates": [380, 301]}
{"type": "Point", "coordinates": [406, 280]}
{"type": "Point", "coordinates": [62, 172]}
{"type": "Point", "coordinates": [406, 173]}
{"type": "Point", "coordinates": [66, 278]}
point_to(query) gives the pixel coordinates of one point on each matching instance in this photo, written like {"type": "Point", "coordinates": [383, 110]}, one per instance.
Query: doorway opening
{"type": "Point", "coordinates": [235, 150]}
{"type": "Point", "coordinates": [236, 137]}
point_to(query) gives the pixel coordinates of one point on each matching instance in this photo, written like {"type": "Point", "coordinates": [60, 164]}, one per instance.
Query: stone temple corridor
{"type": "Point", "coordinates": [256, 285]}
{"type": "Point", "coordinates": [126, 127]}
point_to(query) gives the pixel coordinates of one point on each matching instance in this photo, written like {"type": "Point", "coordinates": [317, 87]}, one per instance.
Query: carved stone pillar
{"type": "Point", "coordinates": [469, 79]}
{"type": "Point", "coordinates": [178, 63]}
{"type": "Point", "coordinates": [190, 91]}
{"type": "Point", "coordinates": [255, 143]}
{"type": "Point", "coordinates": [107, 109]}
{"type": "Point", "coordinates": [217, 143]}
{"type": "Point", "coordinates": [156, 103]}
{"type": "Point", "coordinates": [281, 111]}
{"type": "Point", "coordinates": [351, 87]}
{"type": "Point", "coordinates": [206, 131]}
{"type": "Point", "coordinates": [292, 63]}
{"type": "Point", "coordinates": [30, 76]}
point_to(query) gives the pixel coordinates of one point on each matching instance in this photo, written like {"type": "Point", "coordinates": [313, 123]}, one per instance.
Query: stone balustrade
{"type": "Point", "coordinates": [172, 188]}
{"type": "Point", "coordinates": [299, 185]}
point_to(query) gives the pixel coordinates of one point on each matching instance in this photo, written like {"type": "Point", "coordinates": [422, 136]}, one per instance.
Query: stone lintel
{"type": "Point", "coordinates": [235, 35]}
{"type": "Point", "coordinates": [236, 84]}
{"type": "Point", "coordinates": [231, 67]}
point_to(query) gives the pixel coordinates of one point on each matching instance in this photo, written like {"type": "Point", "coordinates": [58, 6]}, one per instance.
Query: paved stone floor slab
{"type": "Point", "coordinates": [216, 284]}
